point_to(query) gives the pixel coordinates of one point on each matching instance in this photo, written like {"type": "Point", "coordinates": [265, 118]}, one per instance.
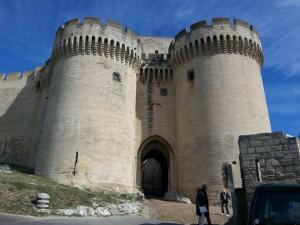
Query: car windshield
{"type": "Point", "coordinates": [274, 208]}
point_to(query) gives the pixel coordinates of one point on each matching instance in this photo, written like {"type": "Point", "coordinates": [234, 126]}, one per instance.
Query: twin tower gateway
{"type": "Point", "coordinates": [115, 111]}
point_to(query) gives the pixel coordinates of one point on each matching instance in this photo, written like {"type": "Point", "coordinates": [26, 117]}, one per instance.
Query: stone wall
{"type": "Point", "coordinates": [155, 111]}
{"type": "Point", "coordinates": [219, 96]}
{"type": "Point", "coordinates": [268, 158]}
{"type": "Point", "coordinates": [150, 45]}
{"type": "Point", "coordinates": [155, 94]}
{"type": "Point", "coordinates": [88, 134]}
{"type": "Point", "coordinates": [21, 105]}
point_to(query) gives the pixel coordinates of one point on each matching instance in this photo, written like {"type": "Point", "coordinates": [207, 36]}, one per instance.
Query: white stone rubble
{"type": "Point", "coordinates": [129, 208]}
{"type": "Point", "coordinates": [177, 197]}
{"type": "Point", "coordinates": [4, 168]}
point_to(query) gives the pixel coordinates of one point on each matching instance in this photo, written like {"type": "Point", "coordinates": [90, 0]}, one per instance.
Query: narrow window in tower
{"type": "Point", "coordinates": [190, 75]}
{"type": "Point", "coordinates": [38, 85]}
{"type": "Point", "coordinates": [164, 92]}
{"type": "Point", "coordinates": [116, 77]}
{"type": "Point", "coordinates": [258, 172]}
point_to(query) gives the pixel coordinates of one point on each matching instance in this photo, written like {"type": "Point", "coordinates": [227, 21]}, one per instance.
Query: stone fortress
{"type": "Point", "coordinates": [114, 111]}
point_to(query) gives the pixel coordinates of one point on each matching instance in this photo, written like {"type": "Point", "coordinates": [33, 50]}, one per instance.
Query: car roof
{"type": "Point", "coordinates": [277, 186]}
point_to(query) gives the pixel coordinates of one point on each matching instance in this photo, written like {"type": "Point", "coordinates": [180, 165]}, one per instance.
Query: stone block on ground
{"type": "Point", "coordinates": [177, 197]}
{"type": "Point", "coordinates": [4, 168]}
{"type": "Point", "coordinates": [43, 196]}
{"type": "Point", "coordinates": [42, 201]}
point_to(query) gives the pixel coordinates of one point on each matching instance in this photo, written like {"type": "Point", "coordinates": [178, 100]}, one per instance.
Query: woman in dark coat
{"type": "Point", "coordinates": [202, 207]}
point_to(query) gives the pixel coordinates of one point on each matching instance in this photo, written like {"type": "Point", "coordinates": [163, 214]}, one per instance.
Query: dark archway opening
{"type": "Point", "coordinates": [154, 174]}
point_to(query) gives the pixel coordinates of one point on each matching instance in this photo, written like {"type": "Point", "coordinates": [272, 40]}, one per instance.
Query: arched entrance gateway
{"type": "Point", "coordinates": [155, 170]}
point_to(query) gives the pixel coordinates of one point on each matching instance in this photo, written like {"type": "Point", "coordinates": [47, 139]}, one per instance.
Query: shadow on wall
{"type": "Point", "coordinates": [20, 125]}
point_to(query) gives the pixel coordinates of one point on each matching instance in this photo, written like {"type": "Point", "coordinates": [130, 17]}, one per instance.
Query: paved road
{"type": "Point", "coordinates": [116, 220]}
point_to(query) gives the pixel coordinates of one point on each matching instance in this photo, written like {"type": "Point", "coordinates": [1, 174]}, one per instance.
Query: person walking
{"type": "Point", "coordinates": [224, 197]}
{"type": "Point", "coordinates": [202, 206]}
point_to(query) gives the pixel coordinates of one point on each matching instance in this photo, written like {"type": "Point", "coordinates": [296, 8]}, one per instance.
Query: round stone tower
{"type": "Point", "coordinates": [88, 131]}
{"type": "Point", "coordinates": [219, 96]}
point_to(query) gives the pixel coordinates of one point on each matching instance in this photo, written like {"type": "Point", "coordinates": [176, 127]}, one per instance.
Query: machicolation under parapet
{"type": "Point", "coordinates": [91, 37]}
{"type": "Point", "coordinates": [221, 36]}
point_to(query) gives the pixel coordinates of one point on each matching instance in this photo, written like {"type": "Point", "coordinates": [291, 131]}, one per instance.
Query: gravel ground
{"type": "Point", "coordinates": [180, 212]}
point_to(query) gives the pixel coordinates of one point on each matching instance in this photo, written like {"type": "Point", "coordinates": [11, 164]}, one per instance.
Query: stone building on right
{"type": "Point", "coordinates": [268, 158]}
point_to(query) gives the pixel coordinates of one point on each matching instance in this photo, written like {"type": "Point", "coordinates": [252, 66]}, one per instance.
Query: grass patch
{"type": "Point", "coordinates": [18, 191]}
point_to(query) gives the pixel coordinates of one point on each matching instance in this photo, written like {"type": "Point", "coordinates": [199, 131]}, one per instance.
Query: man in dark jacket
{"type": "Point", "coordinates": [224, 198]}
{"type": "Point", "coordinates": [202, 206]}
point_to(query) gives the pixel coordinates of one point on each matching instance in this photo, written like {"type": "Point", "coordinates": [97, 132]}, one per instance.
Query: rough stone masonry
{"type": "Point", "coordinates": [269, 158]}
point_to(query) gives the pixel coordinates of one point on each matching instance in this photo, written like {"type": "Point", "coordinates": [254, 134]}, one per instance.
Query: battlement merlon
{"type": "Point", "coordinates": [222, 36]}
{"type": "Point", "coordinates": [92, 26]}
{"type": "Point", "coordinates": [93, 21]}
{"type": "Point", "coordinates": [90, 37]}
{"type": "Point", "coordinates": [155, 49]}
{"type": "Point", "coordinates": [13, 76]}
{"type": "Point", "coordinates": [236, 27]}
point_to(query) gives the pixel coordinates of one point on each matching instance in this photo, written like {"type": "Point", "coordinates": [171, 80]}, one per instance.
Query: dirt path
{"type": "Point", "coordinates": [180, 212]}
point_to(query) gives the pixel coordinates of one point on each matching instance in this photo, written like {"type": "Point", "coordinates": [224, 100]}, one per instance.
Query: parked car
{"type": "Point", "coordinates": [275, 204]}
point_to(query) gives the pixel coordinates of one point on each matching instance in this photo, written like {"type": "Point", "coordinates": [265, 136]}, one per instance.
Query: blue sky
{"type": "Point", "coordinates": [28, 28]}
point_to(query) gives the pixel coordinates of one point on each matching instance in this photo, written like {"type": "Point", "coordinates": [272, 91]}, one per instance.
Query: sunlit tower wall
{"type": "Point", "coordinates": [88, 131]}
{"type": "Point", "coordinates": [219, 96]}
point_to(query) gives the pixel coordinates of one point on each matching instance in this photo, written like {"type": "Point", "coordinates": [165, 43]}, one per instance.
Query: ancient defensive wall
{"type": "Point", "coordinates": [23, 98]}
{"type": "Point", "coordinates": [88, 137]}
{"type": "Point", "coordinates": [108, 101]}
{"type": "Point", "coordinates": [219, 96]}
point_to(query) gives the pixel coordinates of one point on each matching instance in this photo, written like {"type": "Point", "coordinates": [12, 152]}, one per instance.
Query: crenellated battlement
{"type": "Point", "coordinates": [154, 57]}
{"type": "Point", "coordinates": [220, 37]}
{"type": "Point", "coordinates": [16, 75]}
{"type": "Point", "coordinates": [11, 76]}
{"type": "Point", "coordinates": [218, 24]}
{"type": "Point", "coordinates": [29, 74]}
{"type": "Point", "coordinates": [89, 22]}
{"type": "Point", "coordinates": [90, 37]}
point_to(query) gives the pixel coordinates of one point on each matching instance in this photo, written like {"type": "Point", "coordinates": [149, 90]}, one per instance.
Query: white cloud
{"type": "Point", "coordinates": [183, 14]}
{"type": "Point", "coordinates": [288, 3]}
{"type": "Point", "coordinates": [285, 108]}
{"type": "Point", "coordinates": [285, 91]}
{"type": "Point", "coordinates": [284, 99]}
{"type": "Point", "coordinates": [278, 26]}
{"type": "Point", "coordinates": [294, 69]}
